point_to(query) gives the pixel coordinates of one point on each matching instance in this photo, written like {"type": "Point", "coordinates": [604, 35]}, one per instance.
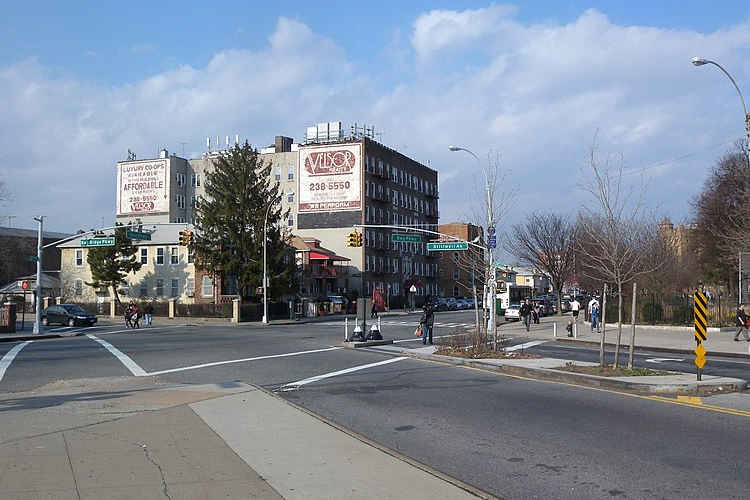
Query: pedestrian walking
{"type": "Point", "coordinates": [427, 321]}
{"type": "Point", "coordinates": [148, 312]}
{"type": "Point", "coordinates": [593, 310]}
{"type": "Point", "coordinates": [535, 312]}
{"type": "Point", "coordinates": [742, 323]}
{"type": "Point", "coordinates": [575, 308]}
{"type": "Point", "coordinates": [525, 313]}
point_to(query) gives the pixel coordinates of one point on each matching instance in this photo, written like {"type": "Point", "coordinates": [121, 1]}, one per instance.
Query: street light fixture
{"type": "Point", "coordinates": [700, 61]}
{"type": "Point", "coordinates": [490, 271]}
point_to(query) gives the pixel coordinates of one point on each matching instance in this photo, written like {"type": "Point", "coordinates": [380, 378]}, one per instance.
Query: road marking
{"type": "Point", "coordinates": [124, 358]}
{"type": "Point", "coordinates": [525, 345]}
{"type": "Point", "coordinates": [243, 360]}
{"type": "Point", "coordinates": [145, 328]}
{"type": "Point", "coordinates": [661, 360]}
{"type": "Point", "coordinates": [9, 356]}
{"type": "Point", "coordinates": [294, 385]}
{"type": "Point", "coordinates": [690, 399]}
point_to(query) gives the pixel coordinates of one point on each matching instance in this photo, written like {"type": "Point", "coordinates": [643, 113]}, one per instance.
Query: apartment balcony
{"type": "Point", "coordinates": [323, 272]}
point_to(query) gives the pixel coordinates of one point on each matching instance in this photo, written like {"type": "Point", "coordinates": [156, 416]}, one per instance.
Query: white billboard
{"type": "Point", "coordinates": [330, 178]}
{"type": "Point", "coordinates": [143, 187]}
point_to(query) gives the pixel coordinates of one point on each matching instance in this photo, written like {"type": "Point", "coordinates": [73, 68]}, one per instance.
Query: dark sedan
{"type": "Point", "coordinates": [67, 314]}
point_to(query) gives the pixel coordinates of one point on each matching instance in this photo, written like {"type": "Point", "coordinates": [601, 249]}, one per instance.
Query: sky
{"type": "Point", "coordinates": [533, 84]}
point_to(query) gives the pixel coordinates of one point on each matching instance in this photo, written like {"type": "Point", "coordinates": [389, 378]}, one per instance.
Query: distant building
{"type": "Point", "coordinates": [534, 278]}
{"type": "Point", "coordinates": [678, 236]}
{"type": "Point", "coordinates": [460, 269]}
{"type": "Point", "coordinates": [17, 246]}
{"type": "Point", "coordinates": [321, 271]}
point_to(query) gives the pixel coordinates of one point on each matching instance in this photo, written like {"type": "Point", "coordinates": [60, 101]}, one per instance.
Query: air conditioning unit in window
{"type": "Point", "coordinates": [190, 294]}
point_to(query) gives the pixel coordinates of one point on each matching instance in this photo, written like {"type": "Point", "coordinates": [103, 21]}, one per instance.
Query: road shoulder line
{"type": "Point", "coordinates": [10, 356]}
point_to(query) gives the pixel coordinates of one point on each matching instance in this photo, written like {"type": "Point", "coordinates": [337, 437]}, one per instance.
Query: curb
{"type": "Point", "coordinates": [721, 354]}
{"type": "Point", "coordinates": [21, 338]}
{"type": "Point", "coordinates": [595, 381]}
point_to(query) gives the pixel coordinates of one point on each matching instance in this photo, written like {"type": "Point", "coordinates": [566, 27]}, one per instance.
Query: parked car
{"type": "Point", "coordinates": [441, 304]}
{"type": "Point", "coordinates": [565, 306]}
{"type": "Point", "coordinates": [451, 303]}
{"type": "Point", "coordinates": [463, 304]}
{"type": "Point", "coordinates": [67, 314]}
{"type": "Point", "coordinates": [513, 312]}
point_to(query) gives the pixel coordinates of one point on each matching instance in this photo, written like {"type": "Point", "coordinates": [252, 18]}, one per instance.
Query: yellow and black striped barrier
{"type": "Point", "coordinates": [700, 315]}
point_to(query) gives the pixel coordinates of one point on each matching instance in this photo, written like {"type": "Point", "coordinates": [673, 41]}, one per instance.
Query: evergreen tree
{"type": "Point", "coordinates": [229, 224]}
{"type": "Point", "coordinates": [110, 265]}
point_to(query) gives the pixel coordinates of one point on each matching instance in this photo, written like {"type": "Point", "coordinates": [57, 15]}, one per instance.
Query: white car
{"type": "Point", "coordinates": [512, 312]}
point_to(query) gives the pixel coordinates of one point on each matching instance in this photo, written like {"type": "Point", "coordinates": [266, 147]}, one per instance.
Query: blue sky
{"type": "Point", "coordinates": [532, 81]}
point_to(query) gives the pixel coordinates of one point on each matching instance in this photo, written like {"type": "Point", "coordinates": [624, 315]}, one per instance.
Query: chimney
{"type": "Point", "coordinates": [163, 153]}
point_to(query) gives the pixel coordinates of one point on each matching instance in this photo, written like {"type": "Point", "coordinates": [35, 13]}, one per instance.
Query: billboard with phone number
{"type": "Point", "coordinates": [330, 178]}
{"type": "Point", "coordinates": [142, 187]}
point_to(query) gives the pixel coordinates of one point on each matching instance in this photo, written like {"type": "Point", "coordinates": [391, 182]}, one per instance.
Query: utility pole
{"type": "Point", "coordinates": [38, 312]}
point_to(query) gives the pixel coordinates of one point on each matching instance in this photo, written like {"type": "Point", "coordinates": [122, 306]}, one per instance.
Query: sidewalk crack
{"type": "Point", "coordinates": [70, 464]}
{"type": "Point", "coordinates": [164, 487]}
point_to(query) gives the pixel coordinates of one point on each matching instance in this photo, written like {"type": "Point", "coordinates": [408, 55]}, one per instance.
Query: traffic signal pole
{"type": "Point", "coordinates": [38, 292]}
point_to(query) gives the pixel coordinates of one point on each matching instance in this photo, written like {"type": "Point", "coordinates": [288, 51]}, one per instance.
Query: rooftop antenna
{"type": "Point", "coordinates": [227, 141]}
{"type": "Point", "coordinates": [236, 139]}
{"type": "Point", "coordinates": [183, 148]}
{"type": "Point", "coordinates": [217, 143]}
{"type": "Point", "coordinates": [208, 143]}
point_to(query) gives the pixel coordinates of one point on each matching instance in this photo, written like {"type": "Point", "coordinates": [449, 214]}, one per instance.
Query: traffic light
{"type": "Point", "coordinates": [351, 240]}
{"type": "Point", "coordinates": [188, 237]}
{"type": "Point", "coordinates": [358, 238]}
{"type": "Point", "coordinates": [184, 237]}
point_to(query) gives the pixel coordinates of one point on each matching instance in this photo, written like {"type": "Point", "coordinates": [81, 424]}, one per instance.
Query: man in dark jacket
{"type": "Point", "coordinates": [525, 313]}
{"type": "Point", "coordinates": [427, 321]}
{"type": "Point", "coordinates": [741, 322]}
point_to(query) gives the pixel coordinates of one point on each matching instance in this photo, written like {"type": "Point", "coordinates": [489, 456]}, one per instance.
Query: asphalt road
{"type": "Point", "coordinates": [513, 437]}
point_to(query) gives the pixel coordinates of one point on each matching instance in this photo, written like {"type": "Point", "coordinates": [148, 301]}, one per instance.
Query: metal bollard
{"type": "Point", "coordinates": [346, 329]}
{"type": "Point", "coordinates": [554, 330]}
{"type": "Point", "coordinates": [575, 330]}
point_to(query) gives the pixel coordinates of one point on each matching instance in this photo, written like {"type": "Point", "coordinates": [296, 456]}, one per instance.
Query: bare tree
{"type": "Point", "coordinates": [546, 241]}
{"type": "Point", "coordinates": [619, 241]}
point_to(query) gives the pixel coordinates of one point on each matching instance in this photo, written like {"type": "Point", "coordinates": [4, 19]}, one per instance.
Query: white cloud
{"type": "Point", "coordinates": [537, 93]}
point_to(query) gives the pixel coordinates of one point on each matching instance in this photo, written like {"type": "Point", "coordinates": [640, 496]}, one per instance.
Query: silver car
{"type": "Point", "coordinates": [513, 312]}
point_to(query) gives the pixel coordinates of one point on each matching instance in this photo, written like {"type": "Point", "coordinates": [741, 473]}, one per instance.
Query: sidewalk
{"type": "Point", "coordinates": [151, 441]}
{"type": "Point", "coordinates": [673, 339]}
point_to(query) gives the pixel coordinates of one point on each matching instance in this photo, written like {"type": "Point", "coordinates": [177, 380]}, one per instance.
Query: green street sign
{"type": "Point", "coordinates": [409, 238]}
{"type": "Point", "coordinates": [99, 242]}
{"type": "Point", "coordinates": [135, 235]}
{"type": "Point", "coordinates": [452, 245]}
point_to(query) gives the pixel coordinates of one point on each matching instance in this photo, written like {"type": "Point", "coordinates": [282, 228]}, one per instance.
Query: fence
{"type": "Point", "coordinates": [655, 309]}
{"type": "Point", "coordinates": [203, 310]}
{"type": "Point", "coordinates": [254, 311]}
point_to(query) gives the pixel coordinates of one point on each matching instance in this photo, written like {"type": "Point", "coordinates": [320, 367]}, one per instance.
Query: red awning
{"type": "Point", "coordinates": [323, 256]}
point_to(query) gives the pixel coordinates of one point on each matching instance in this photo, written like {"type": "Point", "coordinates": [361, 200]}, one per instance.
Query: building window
{"type": "Point", "coordinates": [144, 289]}
{"type": "Point", "coordinates": [174, 257]}
{"type": "Point", "coordinates": [290, 221]}
{"type": "Point", "coordinates": [456, 274]}
{"type": "Point", "coordinates": [190, 256]}
{"type": "Point", "coordinates": [159, 287]}
{"type": "Point", "coordinates": [277, 173]}
{"type": "Point", "coordinates": [455, 291]}
{"type": "Point", "coordinates": [159, 256]}
{"type": "Point", "coordinates": [290, 173]}
{"type": "Point", "coordinates": [207, 287]}
{"type": "Point", "coordinates": [79, 257]}
{"type": "Point", "coordinates": [290, 197]}
{"type": "Point", "coordinates": [175, 287]}
{"type": "Point", "coordinates": [79, 288]}
{"type": "Point", "coordinates": [192, 180]}
{"type": "Point", "coordinates": [190, 287]}
{"type": "Point", "coordinates": [144, 255]}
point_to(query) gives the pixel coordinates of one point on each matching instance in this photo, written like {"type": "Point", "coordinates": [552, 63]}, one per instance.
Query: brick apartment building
{"type": "Point", "coordinates": [457, 267]}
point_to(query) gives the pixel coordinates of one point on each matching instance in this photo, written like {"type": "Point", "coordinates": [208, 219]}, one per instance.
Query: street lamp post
{"type": "Point", "coordinates": [265, 272]}
{"type": "Point", "coordinates": [490, 271]}
{"type": "Point", "coordinates": [39, 252]}
{"type": "Point", "coordinates": [699, 61]}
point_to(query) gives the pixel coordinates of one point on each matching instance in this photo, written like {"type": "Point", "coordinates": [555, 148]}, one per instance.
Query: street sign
{"type": "Point", "coordinates": [99, 242]}
{"type": "Point", "coordinates": [700, 315]}
{"type": "Point", "coordinates": [493, 241]}
{"type": "Point", "coordinates": [491, 231]}
{"type": "Point", "coordinates": [451, 245]}
{"type": "Point", "coordinates": [700, 356]}
{"type": "Point", "coordinates": [34, 258]}
{"type": "Point", "coordinates": [413, 289]}
{"type": "Point", "coordinates": [409, 238]}
{"type": "Point", "coordinates": [136, 235]}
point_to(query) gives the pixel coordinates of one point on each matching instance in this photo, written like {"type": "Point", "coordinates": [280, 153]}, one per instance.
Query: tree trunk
{"type": "Point", "coordinates": [619, 323]}
{"type": "Point", "coordinates": [604, 326]}
{"type": "Point", "coordinates": [559, 300]}
{"type": "Point", "coordinates": [632, 334]}
{"type": "Point", "coordinates": [116, 296]}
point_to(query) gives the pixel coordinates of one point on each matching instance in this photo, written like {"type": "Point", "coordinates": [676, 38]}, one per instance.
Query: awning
{"type": "Point", "coordinates": [323, 256]}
